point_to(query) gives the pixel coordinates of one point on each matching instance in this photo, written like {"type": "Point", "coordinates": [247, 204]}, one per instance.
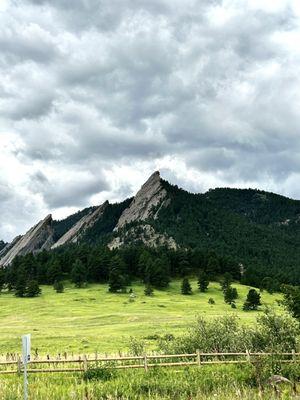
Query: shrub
{"type": "Point", "coordinates": [98, 372]}
{"type": "Point", "coordinates": [211, 301]}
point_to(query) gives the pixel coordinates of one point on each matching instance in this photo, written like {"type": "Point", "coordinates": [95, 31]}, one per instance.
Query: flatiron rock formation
{"type": "Point", "coordinates": [38, 238]}
{"type": "Point", "coordinates": [86, 222]}
{"type": "Point", "coordinates": [150, 196]}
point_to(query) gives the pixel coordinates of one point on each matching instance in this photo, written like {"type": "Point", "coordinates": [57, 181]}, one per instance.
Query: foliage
{"type": "Point", "coordinates": [58, 287]}
{"type": "Point", "coordinates": [291, 299]}
{"type": "Point", "coordinates": [252, 301]}
{"type": "Point", "coordinates": [99, 372]}
{"type": "Point", "coordinates": [186, 287]}
{"type": "Point", "coordinates": [117, 279]}
{"type": "Point", "coordinates": [33, 289]}
{"type": "Point", "coordinates": [230, 295]}
{"type": "Point", "coordinates": [78, 274]}
{"type": "Point", "coordinates": [273, 332]}
{"type": "Point", "coordinates": [148, 290]}
{"type": "Point", "coordinates": [203, 281]}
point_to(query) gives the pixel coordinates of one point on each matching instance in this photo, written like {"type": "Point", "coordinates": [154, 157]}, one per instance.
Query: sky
{"type": "Point", "coordinates": [95, 95]}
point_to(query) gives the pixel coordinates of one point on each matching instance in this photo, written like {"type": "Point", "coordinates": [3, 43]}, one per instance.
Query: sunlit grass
{"type": "Point", "coordinates": [90, 319]}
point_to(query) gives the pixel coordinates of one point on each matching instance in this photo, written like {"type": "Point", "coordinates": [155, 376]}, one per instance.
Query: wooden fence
{"type": "Point", "coordinates": [82, 363]}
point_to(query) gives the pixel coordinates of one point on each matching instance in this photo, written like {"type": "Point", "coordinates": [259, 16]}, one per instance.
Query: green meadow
{"type": "Point", "coordinates": [91, 319]}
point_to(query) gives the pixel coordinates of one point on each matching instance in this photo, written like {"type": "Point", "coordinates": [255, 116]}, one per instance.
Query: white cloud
{"type": "Point", "coordinates": [96, 96]}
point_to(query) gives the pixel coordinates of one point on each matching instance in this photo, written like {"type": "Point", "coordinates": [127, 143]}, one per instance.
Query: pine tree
{"type": "Point", "coordinates": [157, 272]}
{"type": "Point", "coordinates": [148, 290]}
{"type": "Point", "coordinates": [58, 287]}
{"type": "Point", "coordinates": [33, 289]}
{"type": "Point", "coordinates": [78, 274]}
{"type": "Point", "coordinates": [54, 270]}
{"type": "Point", "coordinates": [117, 277]}
{"type": "Point", "coordinates": [183, 264]}
{"type": "Point", "coordinates": [253, 300]}
{"type": "Point", "coordinates": [230, 294]}
{"type": "Point", "coordinates": [226, 281]}
{"type": "Point", "coordinates": [203, 281]}
{"type": "Point", "coordinates": [186, 287]}
{"type": "Point", "coordinates": [20, 285]}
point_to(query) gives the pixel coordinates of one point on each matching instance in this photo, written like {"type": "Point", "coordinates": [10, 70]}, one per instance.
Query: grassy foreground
{"type": "Point", "coordinates": [222, 383]}
{"type": "Point", "coordinates": [89, 319]}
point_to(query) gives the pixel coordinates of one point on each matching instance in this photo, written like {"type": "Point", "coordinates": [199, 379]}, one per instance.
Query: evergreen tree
{"type": "Point", "coordinates": [186, 287]}
{"type": "Point", "coordinates": [230, 294]}
{"type": "Point", "coordinates": [20, 285]}
{"type": "Point", "coordinates": [58, 287]}
{"type": "Point", "coordinates": [253, 300]}
{"type": "Point", "coordinates": [117, 277]}
{"type": "Point", "coordinates": [78, 274]}
{"type": "Point", "coordinates": [33, 289]}
{"type": "Point", "coordinates": [213, 266]}
{"type": "Point", "coordinates": [54, 270]}
{"type": "Point", "coordinates": [203, 281]}
{"type": "Point", "coordinates": [269, 284]}
{"type": "Point", "coordinates": [226, 281]}
{"type": "Point", "coordinates": [2, 278]}
{"type": "Point", "coordinates": [148, 290]}
{"type": "Point", "coordinates": [144, 258]}
{"type": "Point", "coordinates": [291, 299]}
{"type": "Point", "coordinates": [183, 264]}
{"type": "Point", "coordinates": [157, 272]}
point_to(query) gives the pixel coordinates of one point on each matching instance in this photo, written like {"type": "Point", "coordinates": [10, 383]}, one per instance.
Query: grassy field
{"type": "Point", "coordinates": [89, 319]}
{"type": "Point", "coordinates": [218, 382]}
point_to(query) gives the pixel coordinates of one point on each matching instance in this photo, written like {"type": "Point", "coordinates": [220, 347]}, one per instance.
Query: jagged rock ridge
{"type": "Point", "coordinates": [38, 238]}
{"type": "Point", "coordinates": [86, 222]}
{"type": "Point", "coordinates": [146, 204]}
{"type": "Point", "coordinates": [151, 194]}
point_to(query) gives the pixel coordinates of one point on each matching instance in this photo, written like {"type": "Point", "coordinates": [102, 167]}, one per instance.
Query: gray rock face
{"type": "Point", "coordinates": [73, 234]}
{"type": "Point", "coordinates": [37, 238]}
{"type": "Point", "coordinates": [6, 249]}
{"type": "Point", "coordinates": [143, 233]}
{"type": "Point", "coordinates": [150, 195]}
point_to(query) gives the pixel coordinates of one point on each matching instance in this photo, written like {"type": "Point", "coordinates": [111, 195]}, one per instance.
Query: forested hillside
{"type": "Point", "coordinates": [249, 233]}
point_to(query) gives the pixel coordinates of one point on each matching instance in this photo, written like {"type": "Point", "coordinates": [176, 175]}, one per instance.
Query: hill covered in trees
{"type": "Point", "coordinates": [256, 232]}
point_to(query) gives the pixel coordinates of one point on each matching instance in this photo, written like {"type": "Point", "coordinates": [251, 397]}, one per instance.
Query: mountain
{"type": "Point", "coordinates": [258, 229]}
{"type": "Point", "coordinates": [39, 237]}
{"type": "Point", "coordinates": [2, 245]}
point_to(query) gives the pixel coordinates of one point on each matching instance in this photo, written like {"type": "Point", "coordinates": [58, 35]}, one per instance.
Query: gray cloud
{"type": "Point", "coordinates": [210, 88]}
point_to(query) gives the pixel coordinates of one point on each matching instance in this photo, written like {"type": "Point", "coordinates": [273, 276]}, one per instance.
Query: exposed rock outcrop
{"type": "Point", "coordinates": [145, 234]}
{"type": "Point", "coordinates": [151, 195]}
{"type": "Point", "coordinates": [73, 234]}
{"type": "Point", "coordinates": [36, 239]}
{"type": "Point", "coordinates": [9, 246]}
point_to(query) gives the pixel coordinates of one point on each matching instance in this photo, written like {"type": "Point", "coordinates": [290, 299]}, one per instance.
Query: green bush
{"type": "Point", "coordinates": [98, 372]}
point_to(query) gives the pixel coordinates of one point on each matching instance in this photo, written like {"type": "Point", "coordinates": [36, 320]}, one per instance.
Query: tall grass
{"type": "Point", "coordinates": [218, 382]}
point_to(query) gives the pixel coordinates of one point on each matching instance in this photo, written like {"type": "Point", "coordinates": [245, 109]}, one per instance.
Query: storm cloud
{"type": "Point", "coordinates": [96, 96]}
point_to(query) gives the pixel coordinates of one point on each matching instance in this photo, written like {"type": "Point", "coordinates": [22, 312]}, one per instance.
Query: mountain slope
{"type": "Point", "coordinates": [258, 229]}
{"type": "Point", "coordinates": [39, 237]}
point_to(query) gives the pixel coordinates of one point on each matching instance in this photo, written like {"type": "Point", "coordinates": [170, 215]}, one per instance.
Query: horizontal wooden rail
{"type": "Point", "coordinates": [145, 361]}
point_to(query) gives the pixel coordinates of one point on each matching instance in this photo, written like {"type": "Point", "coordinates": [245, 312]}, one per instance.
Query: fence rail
{"type": "Point", "coordinates": [82, 363]}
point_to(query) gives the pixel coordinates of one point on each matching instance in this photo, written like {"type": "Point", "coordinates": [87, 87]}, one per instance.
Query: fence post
{"type": "Point", "coordinates": [19, 365]}
{"type": "Point", "coordinates": [198, 357]}
{"type": "Point", "coordinates": [145, 362]}
{"type": "Point", "coordinates": [248, 356]}
{"type": "Point", "coordinates": [85, 364]}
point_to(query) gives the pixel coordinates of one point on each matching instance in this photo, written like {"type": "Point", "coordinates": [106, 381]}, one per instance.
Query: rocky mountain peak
{"type": "Point", "coordinates": [86, 222]}
{"type": "Point", "coordinates": [151, 195]}
{"type": "Point", "coordinates": [39, 237]}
